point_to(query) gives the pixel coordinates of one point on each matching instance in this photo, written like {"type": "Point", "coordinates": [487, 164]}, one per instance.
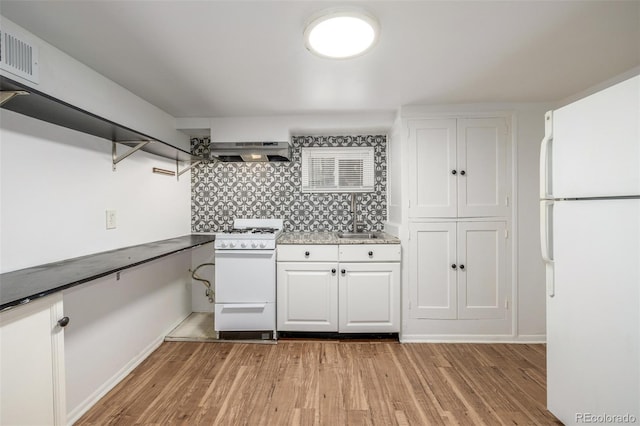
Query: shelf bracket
{"type": "Point", "coordinates": [179, 172]}
{"type": "Point", "coordinates": [114, 153]}
{"type": "Point", "coordinates": [7, 95]}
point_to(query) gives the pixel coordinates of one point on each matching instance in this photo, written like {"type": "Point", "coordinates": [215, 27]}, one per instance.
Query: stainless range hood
{"type": "Point", "coordinates": [261, 138]}
{"type": "Point", "coordinates": [251, 151]}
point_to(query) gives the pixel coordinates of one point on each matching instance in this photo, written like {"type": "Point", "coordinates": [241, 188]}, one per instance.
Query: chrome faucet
{"type": "Point", "coordinates": [354, 213]}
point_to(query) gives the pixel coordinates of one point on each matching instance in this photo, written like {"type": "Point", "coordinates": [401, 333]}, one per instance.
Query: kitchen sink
{"type": "Point", "coordinates": [358, 235]}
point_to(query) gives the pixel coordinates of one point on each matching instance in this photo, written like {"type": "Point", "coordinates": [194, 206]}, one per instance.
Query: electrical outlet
{"type": "Point", "coordinates": [111, 219]}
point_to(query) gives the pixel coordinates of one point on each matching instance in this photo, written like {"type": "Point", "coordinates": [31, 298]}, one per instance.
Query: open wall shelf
{"type": "Point", "coordinates": [47, 108]}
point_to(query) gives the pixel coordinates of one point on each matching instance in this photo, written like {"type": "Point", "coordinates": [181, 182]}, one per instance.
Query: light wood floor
{"type": "Point", "coordinates": [331, 383]}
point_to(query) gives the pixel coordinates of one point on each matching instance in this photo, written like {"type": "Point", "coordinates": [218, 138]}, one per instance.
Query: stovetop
{"type": "Point", "coordinates": [253, 231]}
{"type": "Point", "coordinates": [250, 234]}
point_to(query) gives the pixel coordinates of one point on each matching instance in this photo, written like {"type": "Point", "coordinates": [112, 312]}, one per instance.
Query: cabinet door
{"type": "Point", "coordinates": [369, 297]}
{"type": "Point", "coordinates": [432, 158]}
{"type": "Point", "coordinates": [307, 296]}
{"type": "Point", "coordinates": [32, 364]}
{"type": "Point", "coordinates": [481, 167]}
{"type": "Point", "coordinates": [432, 279]}
{"type": "Point", "coordinates": [481, 270]}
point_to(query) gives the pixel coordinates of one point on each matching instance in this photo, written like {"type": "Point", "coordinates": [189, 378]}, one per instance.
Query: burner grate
{"type": "Point", "coordinates": [236, 231]}
{"type": "Point", "coordinates": [263, 230]}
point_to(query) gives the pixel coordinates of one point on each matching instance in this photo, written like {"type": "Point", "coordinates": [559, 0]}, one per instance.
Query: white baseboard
{"type": "Point", "coordinates": [92, 399]}
{"type": "Point", "coordinates": [447, 338]}
{"type": "Point", "coordinates": [531, 338]}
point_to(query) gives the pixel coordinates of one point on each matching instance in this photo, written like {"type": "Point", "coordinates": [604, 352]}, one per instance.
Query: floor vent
{"type": "Point", "coordinates": [18, 56]}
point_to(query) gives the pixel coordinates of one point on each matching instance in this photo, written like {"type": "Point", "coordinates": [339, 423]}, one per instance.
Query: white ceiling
{"type": "Point", "coordinates": [234, 58]}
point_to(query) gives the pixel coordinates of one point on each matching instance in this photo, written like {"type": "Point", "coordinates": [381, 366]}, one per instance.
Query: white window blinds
{"type": "Point", "coordinates": [337, 169]}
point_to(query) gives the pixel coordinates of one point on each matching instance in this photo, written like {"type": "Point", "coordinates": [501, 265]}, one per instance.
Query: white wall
{"type": "Point", "coordinates": [531, 272]}
{"type": "Point", "coordinates": [281, 127]}
{"type": "Point", "coordinates": [57, 183]}
{"type": "Point", "coordinates": [116, 323]}
{"type": "Point", "coordinates": [63, 77]}
{"type": "Point", "coordinates": [55, 186]}
{"type": "Point", "coordinates": [394, 187]}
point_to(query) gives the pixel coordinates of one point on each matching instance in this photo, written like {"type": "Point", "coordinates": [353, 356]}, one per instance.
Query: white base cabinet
{"type": "Point", "coordinates": [307, 296]}
{"type": "Point", "coordinates": [32, 390]}
{"type": "Point", "coordinates": [369, 297]}
{"type": "Point", "coordinates": [458, 270]}
{"type": "Point", "coordinates": [346, 289]}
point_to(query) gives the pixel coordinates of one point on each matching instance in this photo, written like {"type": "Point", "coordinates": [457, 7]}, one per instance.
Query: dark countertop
{"type": "Point", "coordinates": [21, 286]}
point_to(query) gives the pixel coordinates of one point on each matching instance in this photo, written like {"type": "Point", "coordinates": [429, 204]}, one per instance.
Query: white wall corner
{"type": "Point", "coordinates": [194, 127]}
{"type": "Point", "coordinates": [69, 80]}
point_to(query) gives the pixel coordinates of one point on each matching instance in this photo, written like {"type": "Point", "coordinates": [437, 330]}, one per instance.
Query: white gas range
{"type": "Point", "coordinates": [245, 277]}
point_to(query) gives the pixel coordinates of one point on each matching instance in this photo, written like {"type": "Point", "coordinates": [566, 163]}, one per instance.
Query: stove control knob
{"type": "Point", "coordinates": [263, 244]}
{"type": "Point", "coordinates": [243, 245]}
{"type": "Point", "coordinates": [223, 245]}
{"type": "Point", "coordinates": [254, 244]}
{"type": "Point", "coordinates": [232, 244]}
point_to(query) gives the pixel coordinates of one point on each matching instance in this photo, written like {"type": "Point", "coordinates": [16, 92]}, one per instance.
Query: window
{"type": "Point", "coordinates": [337, 169]}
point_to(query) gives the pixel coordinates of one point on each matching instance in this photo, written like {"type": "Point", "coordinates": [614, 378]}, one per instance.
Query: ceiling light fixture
{"type": "Point", "coordinates": [341, 33]}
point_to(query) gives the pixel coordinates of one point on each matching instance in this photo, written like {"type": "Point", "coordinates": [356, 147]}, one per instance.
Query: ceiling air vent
{"type": "Point", "coordinates": [18, 56]}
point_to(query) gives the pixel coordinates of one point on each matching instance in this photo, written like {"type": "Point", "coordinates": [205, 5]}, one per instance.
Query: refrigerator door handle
{"type": "Point", "coordinates": [546, 207]}
{"type": "Point", "coordinates": [545, 160]}
{"type": "Point", "coordinates": [546, 242]}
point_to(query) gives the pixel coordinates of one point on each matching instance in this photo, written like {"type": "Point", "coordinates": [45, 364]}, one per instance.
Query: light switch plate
{"type": "Point", "coordinates": [111, 219]}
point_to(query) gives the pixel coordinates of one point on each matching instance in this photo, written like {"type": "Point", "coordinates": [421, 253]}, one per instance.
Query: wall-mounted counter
{"type": "Point", "coordinates": [115, 324]}
{"type": "Point", "coordinates": [20, 287]}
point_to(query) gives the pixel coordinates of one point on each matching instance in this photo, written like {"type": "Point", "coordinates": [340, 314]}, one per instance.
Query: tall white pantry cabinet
{"type": "Point", "coordinates": [453, 210]}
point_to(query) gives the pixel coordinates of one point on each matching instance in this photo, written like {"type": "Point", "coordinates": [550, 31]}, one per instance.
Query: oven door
{"type": "Point", "coordinates": [245, 276]}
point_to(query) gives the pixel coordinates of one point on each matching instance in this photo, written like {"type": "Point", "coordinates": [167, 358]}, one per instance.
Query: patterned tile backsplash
{"type": "Point", "coordinates": [221, 192]}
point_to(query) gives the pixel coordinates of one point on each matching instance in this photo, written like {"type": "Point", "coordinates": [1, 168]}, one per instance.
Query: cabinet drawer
{"type": "Point", "coordinates": [370, 253]}
{"type": "Point", "coordinates": [308, 253]}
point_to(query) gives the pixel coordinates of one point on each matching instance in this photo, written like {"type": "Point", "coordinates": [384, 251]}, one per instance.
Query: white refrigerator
{"type": "Point", "coordinates": [590, 240]}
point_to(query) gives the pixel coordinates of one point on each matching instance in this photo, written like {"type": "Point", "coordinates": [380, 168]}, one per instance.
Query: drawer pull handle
{"type": "Point", "coordinates": [344, 271]}
{"type": "Point", "coordinates": [243, 306]}
{"type": "Point", "coordinates": [333, 271]}
{"type": "Point", "coordinates": [63, 322]}
{"type": "Point", "coordinates": [370, 254]}
{"type": "Point", "coordinates": [306, 254]}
